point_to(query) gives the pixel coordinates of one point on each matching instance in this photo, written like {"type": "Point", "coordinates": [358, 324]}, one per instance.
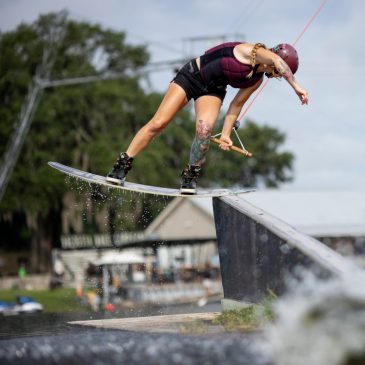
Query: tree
{"type": "Point", "coordinates": [67, 118]}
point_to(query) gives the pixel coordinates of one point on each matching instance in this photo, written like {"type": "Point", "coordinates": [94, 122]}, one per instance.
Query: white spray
{"type": "Point", "coordinates": [320, 322]}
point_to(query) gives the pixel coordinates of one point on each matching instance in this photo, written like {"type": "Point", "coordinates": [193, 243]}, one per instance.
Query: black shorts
{"type": "Point", "coordinates": [188, 77]}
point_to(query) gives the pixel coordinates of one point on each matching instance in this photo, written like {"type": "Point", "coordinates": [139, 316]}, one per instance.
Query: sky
{"type": "Point", "coordinates": [327, 136]}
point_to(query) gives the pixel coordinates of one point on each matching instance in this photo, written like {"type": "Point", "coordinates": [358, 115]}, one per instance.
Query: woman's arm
{"type": "Point", "coordinates": [233, 111]}
{"type": "Point", "coordinates": [264, 56]}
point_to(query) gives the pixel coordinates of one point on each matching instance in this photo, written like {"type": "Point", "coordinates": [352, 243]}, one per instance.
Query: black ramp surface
{"type": "Point", "coordinates": [258, 251]}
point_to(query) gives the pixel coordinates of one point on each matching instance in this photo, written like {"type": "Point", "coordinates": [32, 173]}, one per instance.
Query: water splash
{"type": "Point", "coordinates": [320, 322]}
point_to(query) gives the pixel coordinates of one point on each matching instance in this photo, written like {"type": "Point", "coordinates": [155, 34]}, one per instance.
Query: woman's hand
{"type": "Point", "coordinates": [226, 143]}
{"type": "Point", "coordinates": [303, 94]}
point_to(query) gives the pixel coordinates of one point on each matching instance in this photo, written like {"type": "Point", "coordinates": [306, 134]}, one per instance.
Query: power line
{"type": "Point", "coordinates": [248, 12]}
{"type": "Point", "coordinates": [165, 46]}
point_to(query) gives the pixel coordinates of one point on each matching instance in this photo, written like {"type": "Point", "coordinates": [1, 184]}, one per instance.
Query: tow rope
{"type": "Point", "coordinates": [239, 119]}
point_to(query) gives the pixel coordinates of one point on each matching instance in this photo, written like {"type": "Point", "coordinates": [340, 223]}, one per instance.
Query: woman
{"type": "Point", "coordinates": [205, 79]}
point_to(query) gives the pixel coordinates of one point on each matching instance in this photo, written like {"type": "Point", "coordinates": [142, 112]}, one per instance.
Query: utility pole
{"type": "Point", "coordinates": [16, 141]}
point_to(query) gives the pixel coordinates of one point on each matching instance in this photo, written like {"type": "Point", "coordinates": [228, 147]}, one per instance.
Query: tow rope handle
{"type": "Point", "coordinates": [233, 148]}
{"type": "Point", "coordinates": [242, 150]}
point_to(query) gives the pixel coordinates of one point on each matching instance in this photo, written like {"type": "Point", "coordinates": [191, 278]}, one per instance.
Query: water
{"type": "Point", "coordinates": [57, 323]}
{"type": "Point", "coordinates": [47, 339]}
{"type": "Point", "coordinates": [120, 347]}
{"type": "Point", "coordinates": [320, 322]}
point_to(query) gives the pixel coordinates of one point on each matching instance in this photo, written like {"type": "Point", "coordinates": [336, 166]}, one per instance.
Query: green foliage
{"type": "Point", "coordinates": [77, 125]}
{"type": "Point", "coordinates": [251, 317]}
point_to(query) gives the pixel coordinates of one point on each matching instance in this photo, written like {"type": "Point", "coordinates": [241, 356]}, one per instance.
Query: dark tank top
{"type": "Point", "coordinates": [219, 67]}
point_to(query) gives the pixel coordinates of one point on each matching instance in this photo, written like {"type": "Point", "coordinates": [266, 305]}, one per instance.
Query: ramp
{"type": "Point", "coordinates": [258, 251]}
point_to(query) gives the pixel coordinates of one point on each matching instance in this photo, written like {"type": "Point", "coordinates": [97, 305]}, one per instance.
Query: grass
{"type": "Point", "coordinates": [245, 319]}
{"type": "Point", "coordinates": [53, 301]}
{"type": "Point", "coordinates": [250, 318]}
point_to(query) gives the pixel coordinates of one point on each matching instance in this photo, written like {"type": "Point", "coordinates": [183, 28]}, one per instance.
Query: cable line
{"type": "Point", "coordinates": [309, 23]}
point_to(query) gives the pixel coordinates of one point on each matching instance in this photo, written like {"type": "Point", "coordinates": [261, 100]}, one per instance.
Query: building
{"type": "Point", "coordinates": [189, 225]}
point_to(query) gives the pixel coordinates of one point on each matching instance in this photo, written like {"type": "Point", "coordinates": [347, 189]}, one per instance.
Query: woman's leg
{"type": "Point", "coordinates": [174, 100]}
{"type": "Point", "coordinates": [207, 110]}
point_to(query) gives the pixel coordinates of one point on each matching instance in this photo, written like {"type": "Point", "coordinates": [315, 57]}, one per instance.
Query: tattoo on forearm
{"type": "Point", "coordinates": [200, 145]}
{"type": "Point", "coordinates": [285, 71]}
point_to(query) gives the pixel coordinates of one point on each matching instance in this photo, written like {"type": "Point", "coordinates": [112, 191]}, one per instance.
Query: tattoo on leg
{"type": "Point", "coordinates": [200, 145]}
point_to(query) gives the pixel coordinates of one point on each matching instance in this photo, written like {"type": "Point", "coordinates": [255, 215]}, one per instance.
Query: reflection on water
{"type": "Point", "coordinates": [57, 323]}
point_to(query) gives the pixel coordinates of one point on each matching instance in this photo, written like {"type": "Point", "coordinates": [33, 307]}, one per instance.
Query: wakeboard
{"type": "Point", "coordinates": [146, 189]}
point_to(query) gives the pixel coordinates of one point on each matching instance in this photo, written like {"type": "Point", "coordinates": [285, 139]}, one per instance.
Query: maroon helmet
{"type": "Point", "coordinates": [288, 54]}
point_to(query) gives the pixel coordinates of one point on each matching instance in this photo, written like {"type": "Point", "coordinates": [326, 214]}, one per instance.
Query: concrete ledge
{"type": "Point", "coordinates": [158, 324]}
